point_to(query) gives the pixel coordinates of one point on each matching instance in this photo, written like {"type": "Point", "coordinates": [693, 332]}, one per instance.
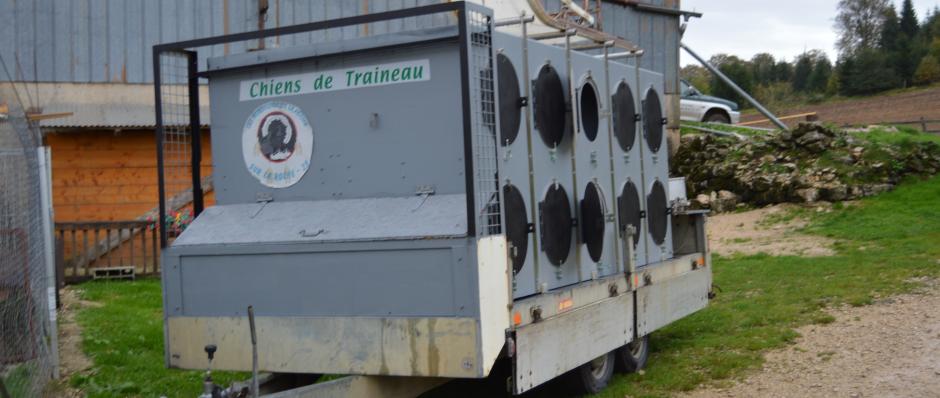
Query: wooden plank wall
{"type": "Point", "coordinates": [102, 175]}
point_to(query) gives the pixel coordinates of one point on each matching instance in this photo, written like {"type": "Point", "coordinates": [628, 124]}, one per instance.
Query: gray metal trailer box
{"type": "Point", "coordinates": [345, 213]}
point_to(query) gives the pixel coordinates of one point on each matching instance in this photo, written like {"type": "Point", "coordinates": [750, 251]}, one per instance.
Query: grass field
{"type": "Point", "coordinates": [124, 339]}
{"type": "Point", "coordinates": [885, 244]}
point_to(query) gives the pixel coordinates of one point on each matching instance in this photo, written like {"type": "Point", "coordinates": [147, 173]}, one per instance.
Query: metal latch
{"type": "Point", "coordinates": [424, 191]}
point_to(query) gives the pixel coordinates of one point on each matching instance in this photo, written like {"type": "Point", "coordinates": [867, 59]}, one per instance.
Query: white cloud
{"type": "Point", "coordinates": [784, 28]}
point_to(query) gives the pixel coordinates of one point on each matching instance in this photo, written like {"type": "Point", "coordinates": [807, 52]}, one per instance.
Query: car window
{"type": "Point", "coordinates": [686, 88]}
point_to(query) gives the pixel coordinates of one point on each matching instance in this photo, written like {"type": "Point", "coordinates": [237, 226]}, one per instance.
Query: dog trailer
{"type": "Point", "coordinates": [416, 205]}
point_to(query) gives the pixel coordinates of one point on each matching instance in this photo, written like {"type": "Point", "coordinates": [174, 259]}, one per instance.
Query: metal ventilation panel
{"type": "Point", "coordinates": [598, 247]}
{"type": "Point", "coordinates": [552, 164]}
{"type": "Point", "coordinates": [628, 152]}
{"type": "Point", "coordinates": [513, 158]}
{"type": "Point", "coordinates": [655, 168]}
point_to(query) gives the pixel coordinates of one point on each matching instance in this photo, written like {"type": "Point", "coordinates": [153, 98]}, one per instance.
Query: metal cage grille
{"type": "Point", "coordinates": [483, 123]}
{"type": "Point", "coordinates": [27, 330]}
{"type": "Point", "coordinates": [178, 138]}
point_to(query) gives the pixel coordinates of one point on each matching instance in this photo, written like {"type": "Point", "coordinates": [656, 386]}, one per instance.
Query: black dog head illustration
{"type": "Point", "coordinates": [276, 137]}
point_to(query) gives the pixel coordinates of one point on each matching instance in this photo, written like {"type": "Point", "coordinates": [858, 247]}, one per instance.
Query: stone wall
{"type": "Point", "coordinates": [812, 163]}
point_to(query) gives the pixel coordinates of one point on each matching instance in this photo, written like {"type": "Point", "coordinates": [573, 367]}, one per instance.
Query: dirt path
{"type": "Point", "coordinates": [749, 233]}
{"type": "Point", "coordinates": [889, 349]}
{"type": "Point", "coordinates": [71, 358]}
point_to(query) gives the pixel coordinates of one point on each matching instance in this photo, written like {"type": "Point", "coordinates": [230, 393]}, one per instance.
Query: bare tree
{"type": "Point", "coordinates": [859, 23]}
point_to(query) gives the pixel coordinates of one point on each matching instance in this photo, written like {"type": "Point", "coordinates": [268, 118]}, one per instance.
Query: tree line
{"type": "Point", "coordinates": [880, 49]}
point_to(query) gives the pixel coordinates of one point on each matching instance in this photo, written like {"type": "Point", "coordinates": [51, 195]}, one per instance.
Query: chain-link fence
{"type": "Point", "coordinates": [27, 318]}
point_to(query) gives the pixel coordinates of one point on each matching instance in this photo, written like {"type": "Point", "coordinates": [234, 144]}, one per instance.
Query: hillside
{"type": "Point", "coordinates": [906, 105]}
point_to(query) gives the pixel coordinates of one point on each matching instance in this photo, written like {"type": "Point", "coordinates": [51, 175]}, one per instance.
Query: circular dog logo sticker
{"type": "Point", "coordinates": [277, 144]}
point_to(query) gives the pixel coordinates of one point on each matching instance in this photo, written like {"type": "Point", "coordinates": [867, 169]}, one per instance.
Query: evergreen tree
{"type": "Point", "coordinates": [737, 70]}
{"type": "Point", "coordinates": [906, 54]}
{"type": "Point", "coordinates": [834, 85]}
{"type": "Point", "coordinates": [801, 72]}
{"type": "Point", "coordinates": [783, 71]}
{"type": "Point", "coordinates": [819, 79]}
{"type": "Point", "coordinates": [762, 68]}
{"type": "Point", "coordinates": [890, 30]}
{"type": "Point", "coordinates": [867, 72]}
{"type": "Point", "coordinates": [909, 25]}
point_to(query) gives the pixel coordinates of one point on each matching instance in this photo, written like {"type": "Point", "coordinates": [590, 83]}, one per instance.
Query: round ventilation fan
{"type": "Point", "coordinates": [517, 226]}
{"type": "Point", "coordinates": [653, 120]}
{"type": "Point", "coordinates": [549, 106]}
{"type": "Point", "coordinates": [509, 105]}
{"type": "Point", "coordinates": [624, 114]}
{"type": "Point", "coordinates": [555, 218]}
{"type": "Point", "coordinates": [593, 221]}
{"type": "Point", "coordinates": [658, 211]}
{"type": "Point", "coordinates": [629, 209]}
{"type": "Point", "coordinates": [590, 111]}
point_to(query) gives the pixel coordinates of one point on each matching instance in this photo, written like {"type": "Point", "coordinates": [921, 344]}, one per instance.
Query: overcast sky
{"type": "Point", "coordinates": [783, 28]}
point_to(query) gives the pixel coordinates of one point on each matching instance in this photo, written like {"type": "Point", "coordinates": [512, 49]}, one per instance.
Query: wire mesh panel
{"type": "Point", "coordinates": [483, 122]}
{"type": "Point", "coordinates": [178, 140]}
{"type": "Point", "coordinates": [27, 359]}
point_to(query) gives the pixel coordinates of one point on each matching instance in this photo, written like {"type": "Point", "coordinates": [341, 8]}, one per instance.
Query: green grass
{"type": "Point", "coordinates": [904, 137]}
{"type": "Point", "coordinates": [886, 242]}
{"type": "Point", "coordinates": [124, 339]}
{"type": "Point", "coordinates": [747, 132]}
{"type": "Point", "coordinates": [19, 380]}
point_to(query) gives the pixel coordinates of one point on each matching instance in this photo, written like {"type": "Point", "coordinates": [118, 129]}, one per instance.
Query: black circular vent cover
{"type": "Point", "coordinates": [629, 209]}
{"type": "Point", "coordinates": [653, 120]}
{"type": "Point", "coordinates": [590, 112]}
{"type": "Point", "coordinates": [549, 106]}
{"type": "Point", "coordinates": [658, 212]}
{"type": "Point", "coordinates": [509, 112]}
{"type": "Point", "coordinates": [593, 221]}
{"type": "Point", "coordinates": [517, 226]}
{"type": "Point", "coordinates": [555, 218]}
{"type": "Point", "coordinates": [624, 112]}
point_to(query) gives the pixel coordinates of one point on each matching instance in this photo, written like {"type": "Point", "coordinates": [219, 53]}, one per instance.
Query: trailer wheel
{"type": "Point", "coordinates": [592, 377]}
{"type": "Point", "coordinates": [632, 357]}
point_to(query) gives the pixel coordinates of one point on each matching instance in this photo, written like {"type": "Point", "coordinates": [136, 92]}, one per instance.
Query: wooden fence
{"type": "Point", "coordinates": [88, 245]}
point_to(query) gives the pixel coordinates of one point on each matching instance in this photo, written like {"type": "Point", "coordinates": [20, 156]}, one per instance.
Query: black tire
{"type": "Point", "coordinates": [717, 117]}
{"type": "Point", "coordinates": [592, 377]}
{"type": "Point", "coordinates": [632, 357]}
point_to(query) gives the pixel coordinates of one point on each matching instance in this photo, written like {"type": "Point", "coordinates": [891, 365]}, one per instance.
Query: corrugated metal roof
{"type": "Point", "coordinates": [95, 105]}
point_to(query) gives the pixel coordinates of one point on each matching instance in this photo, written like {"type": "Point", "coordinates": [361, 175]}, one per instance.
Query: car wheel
{"type": "Point", "coordinates": [632, 357]}
{"type": "Point", "coordinates": [592, 377]}
{"type": "Point", "coordinates": [717, 117]}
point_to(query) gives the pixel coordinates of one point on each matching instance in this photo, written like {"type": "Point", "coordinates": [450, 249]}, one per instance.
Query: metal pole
{"type": "Point", "coordinates": [45, 189]}
{"type": "Point", "coordinates": [158, 131]}
{"type": "Point", "coordinates": [195, 132]}
{"type": "Point", "coordinates": [741, 92]}
{"type": "Point", "coordinates": [254, 352]}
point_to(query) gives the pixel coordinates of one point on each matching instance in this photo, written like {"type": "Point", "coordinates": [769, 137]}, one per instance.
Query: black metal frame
{"type": "Point", "coordinates": [461, 8]}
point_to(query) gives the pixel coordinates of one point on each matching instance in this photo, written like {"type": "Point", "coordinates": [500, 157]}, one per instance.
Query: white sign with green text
{"type": "Point", "coordinates": [337, 79]}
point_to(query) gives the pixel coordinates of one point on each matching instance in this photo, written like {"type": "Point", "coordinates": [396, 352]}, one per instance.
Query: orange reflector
{"type": "Point", "coordinates": [700, 261]}
{"type": "Point", "coordinates": [517, 318]}
{"type": "Point", "coordinates": [565, 304]}
{"type": "Point", "coordinates": [636, 280]}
